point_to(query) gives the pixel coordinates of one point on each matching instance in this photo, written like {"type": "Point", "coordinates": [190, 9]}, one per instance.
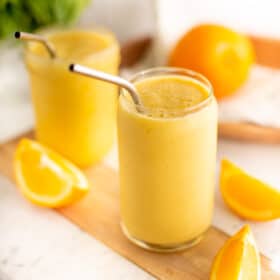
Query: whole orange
{"type": "Point", "coordinates": [219, 53]}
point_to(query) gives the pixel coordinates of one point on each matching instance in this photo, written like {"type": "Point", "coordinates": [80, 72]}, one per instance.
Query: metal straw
{"type": "Point", "coordinates": [37, 38]}
{"type": "Point", "coordinates": [89, 72]}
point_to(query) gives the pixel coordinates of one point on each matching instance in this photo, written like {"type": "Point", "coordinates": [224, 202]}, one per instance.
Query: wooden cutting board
{"type": "Point", "coordinates": [98, 214]}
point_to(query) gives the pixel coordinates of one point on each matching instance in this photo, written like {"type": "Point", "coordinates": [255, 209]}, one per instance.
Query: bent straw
{"type": "Point", "coordinates": [36, 38]}
{"type": "Point", "coordinates": [89, 72]}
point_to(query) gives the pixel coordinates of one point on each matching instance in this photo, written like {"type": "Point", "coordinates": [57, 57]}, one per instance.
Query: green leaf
{"type": "Point", "coordinates": [28, 15]}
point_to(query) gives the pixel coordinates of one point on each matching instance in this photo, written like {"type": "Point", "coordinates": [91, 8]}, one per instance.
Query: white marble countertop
{"type": "Point", "coordinates": [40, 244]}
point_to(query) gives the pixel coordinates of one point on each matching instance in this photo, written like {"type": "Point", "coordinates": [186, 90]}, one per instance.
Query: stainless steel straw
{"type": "Point", "coordinates": [89, 72]}
{"type": "Point", "coordinates": [37, 38]}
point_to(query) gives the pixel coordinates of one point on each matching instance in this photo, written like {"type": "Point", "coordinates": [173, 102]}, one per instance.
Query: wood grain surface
{"type": "Point", "coordinates": [132, 51]}
{"type": "Point", "coordinates": [267, 50]}
{"type": "Point", "coordinates": [249, 132]}
{"type": "Point", "coordinates": [98, 214]}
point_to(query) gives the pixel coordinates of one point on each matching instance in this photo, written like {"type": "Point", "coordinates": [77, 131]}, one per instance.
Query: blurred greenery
{"type": "Point", "coordinates": [28, 15]}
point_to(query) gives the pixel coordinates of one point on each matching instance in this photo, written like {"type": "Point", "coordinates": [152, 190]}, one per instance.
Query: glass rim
{"type": "Point", "coordinates": [104, 34]}
{"type": "Point", "coordinates": [165, 70]}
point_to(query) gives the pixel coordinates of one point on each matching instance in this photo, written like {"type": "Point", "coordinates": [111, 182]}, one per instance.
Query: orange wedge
{"type": "Point", "coordinates": [46, 178]}
{"type": "Point", "coordinates": [247, 196]}
{"type": "Point", "coordinates": [238, 259]}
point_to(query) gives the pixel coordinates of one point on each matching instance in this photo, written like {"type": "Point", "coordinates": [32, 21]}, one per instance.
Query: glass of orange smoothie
{"type": "Point", "coordinates": [74, 115]}
{"type": "Point", "coordinates": [167, 157]}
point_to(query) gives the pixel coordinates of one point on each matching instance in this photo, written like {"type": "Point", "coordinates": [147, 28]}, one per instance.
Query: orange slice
{"type": "Point", "coordinates": [46, 178]}
{"type": "Point", "coordinates": [238, 259]}
{"type": "Point", "coordinates": [247, 196]}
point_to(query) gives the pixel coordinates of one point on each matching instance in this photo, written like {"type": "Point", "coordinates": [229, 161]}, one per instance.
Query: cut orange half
{"type": "Point", "coordinates": [238, 259]}
{"type": "Point", "coordinates": [46, 178]}
{"type": "Point", "coordinates": [247, 196]}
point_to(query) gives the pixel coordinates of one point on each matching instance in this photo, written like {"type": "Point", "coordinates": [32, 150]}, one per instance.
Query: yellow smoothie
{"type": "Point", "coordinates": [167, 159]}
{"type": "Point", "coordinates": [74, 115]}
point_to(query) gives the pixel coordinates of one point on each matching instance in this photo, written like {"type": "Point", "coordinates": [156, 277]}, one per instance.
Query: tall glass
{"type": "Point", "coordinates": [74, 115]}
{"type": "Point", "coordinates": [167, 166]}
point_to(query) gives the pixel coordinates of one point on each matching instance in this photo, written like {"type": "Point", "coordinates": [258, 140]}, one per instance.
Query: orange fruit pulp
{"type": "Point", "coordinates": [238, 259]}
{"type": "Point", "coordinates": [247, 196]}
{"type": "Point", "coordinates": [46, 178]}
